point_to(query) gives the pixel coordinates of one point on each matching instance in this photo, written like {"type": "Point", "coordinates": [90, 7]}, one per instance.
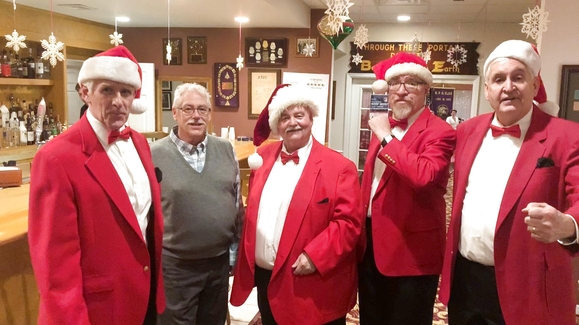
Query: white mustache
{"type": "Point", "coordinates": [288, 130]}
{"type": "Point", "coordinates": [196, 122]}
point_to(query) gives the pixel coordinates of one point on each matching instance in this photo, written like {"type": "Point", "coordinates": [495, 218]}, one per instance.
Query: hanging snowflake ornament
{"type": "Point", "coordinates": [534, 22]}
{"type": "Point", "coordinates": [15, 41]}
{"type": "Point", "coordinates": [338, 12]}
{"type": "Point", "coordinates": [116, 38]}
{"type": "Point", "coordinates": [357, 58]}
{"type": "Point", "coordinates": [361, 37]}
{"type": "Point", "coordinates": [169, 52]}
{"type": "Point", "coordinates": [309, 49]}
{"type": "Point", "coordinates": [426, 55]}
{"type": "Point", "coordinates": [456, 55]}
{"type": "Point", "coordinates": [52, 50]}
{"type": "Point", "coordinates": [415, 45]}
{"type": "Point", "coordinates": [239, 64]}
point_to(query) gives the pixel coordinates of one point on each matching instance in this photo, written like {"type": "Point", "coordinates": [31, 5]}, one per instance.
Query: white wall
{"type": "Point", "coordinates": [560, 43]}
{"type": "Point", "coordinates": [489, 35]}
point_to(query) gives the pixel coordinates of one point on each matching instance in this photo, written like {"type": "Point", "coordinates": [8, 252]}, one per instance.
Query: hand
{"type": "Point", "coordinates": [303, 265]}
{"type": "Point", "coordinates": [547, 224]}
{"type": "Point", "coordinates": [380, 125]}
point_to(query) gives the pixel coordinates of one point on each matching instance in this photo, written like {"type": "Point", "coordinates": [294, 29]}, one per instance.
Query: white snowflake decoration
{"type": "Point", "coordinates": [338, 12]}
{"type": "Point", "coordinates": [361, 37]}
{"type": "Point", "coordinates": [116, 38]}
{"type": "Point", "coordinates": [169, 52]}
{"type": "Point", "coordinates": [415, 45]}
{"type": "Point", "coordinates": [239, 64]}
{"type": "Point", "coordinates": [15, 41]}
{"type": "Point", "coordinates": [52, 50]}
{"type": "Point", "coordinates": [456, 55]}
{"type": "Point", "coordinates": [357, 58]}
{"type": "Point", "coordinates": [534, 22]}
{"type": "Point", "coordinates": [426, 55]}
{"type": "Point", "coordinates": [309, 49]}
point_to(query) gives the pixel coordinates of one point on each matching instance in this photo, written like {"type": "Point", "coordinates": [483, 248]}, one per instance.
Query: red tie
{"type": "Point", "coordinates": [123, 135]}
{"type": "Point", "coordinates": [294, 156]}
{"type": "Point", "coordinates": [403, 124]}
{"type": "Point", "coordinates": [514, 131]}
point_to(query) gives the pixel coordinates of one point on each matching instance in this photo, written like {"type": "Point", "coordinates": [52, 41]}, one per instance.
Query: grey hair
{"type": "Point", "coordinates": [187, 87]}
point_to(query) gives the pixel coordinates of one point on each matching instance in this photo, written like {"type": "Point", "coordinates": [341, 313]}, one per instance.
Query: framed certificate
{"type": "Point", "coordinates": [262, 82]}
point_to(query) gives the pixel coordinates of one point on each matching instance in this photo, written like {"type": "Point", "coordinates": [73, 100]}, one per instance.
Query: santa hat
{"type": "Point", "coordinates": [116, 64]}
{"type": "Point", "coordinates": [282, 97]}
{"type": "Point", "coordinates": [528, 54]}
{"type": "Point", "coordinates": [400, 64]}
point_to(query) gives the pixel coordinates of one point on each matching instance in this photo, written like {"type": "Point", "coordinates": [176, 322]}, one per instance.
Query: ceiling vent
{"type": "Point", "coordinates": [76, 6]}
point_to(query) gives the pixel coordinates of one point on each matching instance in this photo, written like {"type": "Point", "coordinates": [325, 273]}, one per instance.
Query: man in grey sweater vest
{"type": "Point", "coordinates": [203, 212]}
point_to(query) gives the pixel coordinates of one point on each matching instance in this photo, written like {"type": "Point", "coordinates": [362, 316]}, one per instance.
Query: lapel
{"type": "Point", "coordinates": [524, 167]}
{"type": "Point", "coordinates": [100, 166]}
{"type": "Point", "coordinates": [300, 201]}
{"type": "Point", "coordinates": [419, 125]}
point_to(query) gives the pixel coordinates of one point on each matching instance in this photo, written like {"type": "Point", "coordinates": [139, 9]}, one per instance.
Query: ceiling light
{"type": "Point", "coordinates": [403, 18]}
{"type": "Point", "coordinates": [122, 19]}
{"type": "Point", "coordinates": [241, 19]}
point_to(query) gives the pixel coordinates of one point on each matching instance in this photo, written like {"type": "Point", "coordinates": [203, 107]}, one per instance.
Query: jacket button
{"type": "Point", "coordinates": [146, 269]}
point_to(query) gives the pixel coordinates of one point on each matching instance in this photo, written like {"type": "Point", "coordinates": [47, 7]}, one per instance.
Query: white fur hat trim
{"type": "Point", "coordinates": [290, 96]}
{"type": "Point", "coordinates": [409, 68]}
{"type": "Point", "coordinates": [518, 50]}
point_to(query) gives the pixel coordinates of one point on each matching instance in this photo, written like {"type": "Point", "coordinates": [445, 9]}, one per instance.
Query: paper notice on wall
{"type": "Point", "coordinates": [319, 84]}
{"type": "Point", "coordinates": [576, 101]}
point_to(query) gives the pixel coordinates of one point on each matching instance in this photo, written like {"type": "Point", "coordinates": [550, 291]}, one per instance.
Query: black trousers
{"type": "Point", "coordinates": [385, 300]}
{"type": "Point", "coordinates": [151, 315]}
{"type": "Point", "coordinates": [474, 299]}
{"type": "Point", "coordinates": [262, 278]}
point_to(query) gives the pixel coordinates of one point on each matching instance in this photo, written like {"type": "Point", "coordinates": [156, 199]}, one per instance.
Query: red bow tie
{"type": "Point", "coordinates": [403, 124]}
{"type": "Point", "coordinates": [294, 157]}
{"type": "Point", "coordinates": [514, 131]}
{"type": "Point", "coordinates": [123, 135]}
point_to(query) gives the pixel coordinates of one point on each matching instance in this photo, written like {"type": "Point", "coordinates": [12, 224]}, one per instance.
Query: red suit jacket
{"type": "Point", "coordinates": [408, 209]}
{"type": "Point", "coordinates": [324, 220]}
{"type": "Point", "coordinates": [89, 257]}
{"type": "Point", "coordinates": [534, 280]}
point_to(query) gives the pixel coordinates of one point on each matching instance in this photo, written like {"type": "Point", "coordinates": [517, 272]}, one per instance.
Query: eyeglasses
{"type": "Point", "coordinates": [203, 111]}
{"type": "Point", "coordinates": [409, 86]}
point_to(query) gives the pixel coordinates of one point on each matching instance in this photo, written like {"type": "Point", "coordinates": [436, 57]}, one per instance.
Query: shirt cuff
{"type": "Point", "coordinates": [568, 241]}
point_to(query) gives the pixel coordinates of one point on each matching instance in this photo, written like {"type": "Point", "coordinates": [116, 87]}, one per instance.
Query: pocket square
{"type": "Point", "coordinates": [158, 174]}
{"type": "Point", "coordinates": [326, 200]}
{"type": "Point", "coordinates": [545, 162]}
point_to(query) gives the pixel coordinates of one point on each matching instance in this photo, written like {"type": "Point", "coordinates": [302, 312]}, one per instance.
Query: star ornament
{"type": "Point", "coordinates": [309, 49]}
{"type": "Point", "coordinates": [116, 38]}
{"type": "Point", "coordinates": [52, 50]}
{"type": "Point", "coordinates": [15, 41]}
{"type": "Point", "coordinates": [534, 22]}
{"type": "Point", "coordinates": [357, 59]}
{"type": "Point", "coordinates": [239, 64]}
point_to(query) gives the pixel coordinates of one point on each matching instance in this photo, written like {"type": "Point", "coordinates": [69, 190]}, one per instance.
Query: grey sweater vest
{"type": "Point", "coordinates": [198, 208]}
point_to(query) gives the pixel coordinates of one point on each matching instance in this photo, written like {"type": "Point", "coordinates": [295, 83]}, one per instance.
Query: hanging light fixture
{"type": "Point", "coordinates": [239, 59]}
{"type": "Point", "coordinates": [169, 48]}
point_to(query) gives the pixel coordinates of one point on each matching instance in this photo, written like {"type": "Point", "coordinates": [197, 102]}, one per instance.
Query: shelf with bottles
{"type": "Point", "coordinates": [25, 82]}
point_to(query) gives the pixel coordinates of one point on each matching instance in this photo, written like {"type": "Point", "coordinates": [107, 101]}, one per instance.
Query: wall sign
{"type": "Point", "coordinates": [374, 52]}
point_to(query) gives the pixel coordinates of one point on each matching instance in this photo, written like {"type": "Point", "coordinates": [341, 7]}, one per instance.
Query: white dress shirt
{"type": "Point", "coordinates": [380, 166]}
{"type": "Point", "coordinates": [487, 181]}
{"type": "Point", "coordinates": [276, 197]}
{"type": "Point", "coordinates": [127, 163]}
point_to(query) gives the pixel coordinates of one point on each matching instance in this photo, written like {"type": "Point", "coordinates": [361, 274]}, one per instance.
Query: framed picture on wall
{"type": "Point", "coordinates": [197, 50]}
{"type": "Point", "coordinates": [266, 52]}
{"type": "Point", "coordinates": [166, 101]}
{"type": "Point", "coordinates": [166, 85]}
{"type": "Point", "coordinates": [262, 83]}
{"type": "Point", "coordinates": [569, 94]}
{"type": "Point", "coordinates": [302, 43]}
{"type": "Point", "coordinates": [176, 51]}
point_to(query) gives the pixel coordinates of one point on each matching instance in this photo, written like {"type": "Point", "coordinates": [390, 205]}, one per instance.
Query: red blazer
{"type": "Point", "coordinates": [408, 209]}
{"type": "Point", "coordinates": [534, 280]}
{"type": "Point", "coordinates": [89, 257]}
{"type": "Point", "coordinates": [324, 220]}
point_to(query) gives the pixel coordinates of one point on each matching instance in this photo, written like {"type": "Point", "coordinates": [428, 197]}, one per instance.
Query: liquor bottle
{"type": "Point", "coordinates": [19, 110]}
{"type": "Point", "coordinates": [23, 134]}
{"type": "Point", "coordinates": [5, 65]}
{"type": "Point", "coordinates": [58, 125]}
{"type": "Point", "coordinates": [52, 127]}
{"type": "Point", "coordinates": [14, 130]}
{"type": "Point", "coordinates": [31, 65]}
{"type": "Point", "coordinates": [46, 66]}
{"type": "Point", "coordinates": [30, 130]}
{"type": "Point", "coordinates": [5, 125]}
{"type": "Point", "coordinates": [39, 64]}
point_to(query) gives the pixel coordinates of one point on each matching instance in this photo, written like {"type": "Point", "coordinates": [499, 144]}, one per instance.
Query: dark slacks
{"type": "Point", "coordinates": [474, 299]}
{"type": "Point", "coordinates": [385, 300]}
{"type": "Point", "coordinates": [262, 278]}
{"type": "Point", "coordinates": [196, 290]}
{"type": "Point", "coordinates": [151, 315]}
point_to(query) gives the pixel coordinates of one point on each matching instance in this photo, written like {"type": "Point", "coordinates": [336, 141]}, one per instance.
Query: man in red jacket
{"type": "Point", "coordinates": [516, 203]}
{"type": "Point", "coordinates": [403, 189]}
{"type": "Point", "coordinates": [95, 221]}
{"type": "Point", "coordinates": [303, 220]}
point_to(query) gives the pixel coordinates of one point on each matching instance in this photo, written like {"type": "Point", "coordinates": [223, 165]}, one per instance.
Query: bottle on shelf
{"type": "Point", "coordinates": [19, 66]}
{"type": "Point", "coordinates": [14, 130]}
{"type": "Point", "coordinates": [5, 65]}
{"type": "Point", "coordinates": [46, 66]}
{"type": "Point", "coordinates": [23, 134]}
{"type": "Point", "coordinates": [5, 126]}
{"type": "Point", "coordinates": [29, 130]}
{"type": "Point", "coordinates": [31, 65]}
{"type": "Point", "coordinates": [39, 64]}
{"type": "Point", "coordinates": [58, 125]}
